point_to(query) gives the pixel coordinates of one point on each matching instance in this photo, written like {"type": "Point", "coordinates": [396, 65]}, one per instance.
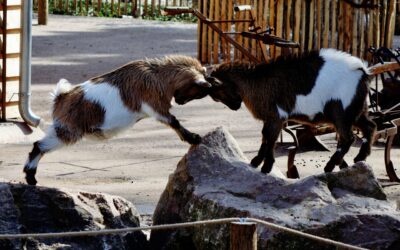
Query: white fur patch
{"type": "Point", "coordinates": [338, 79]}
{"type": "Point", "coordinates": [117, 115]}
{"type": "Point", "coordinates": [63, 86]}
{"type": "Point", "coordinates": [364, 140]}
{"type": "Point", "coordinates": [34, 163]}
{"type": "Point", "coordinates": [148, 110]}
{"type": "Point", "coordinates": [50, 141]}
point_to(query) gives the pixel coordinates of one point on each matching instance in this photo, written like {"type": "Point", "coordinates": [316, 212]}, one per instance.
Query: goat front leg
{"type": "Point", "coordinates": [257, 160]}
{"type": "Point", "coordinates": [182, 132]}
{"type": "Point", "coordinates": [270, 134]}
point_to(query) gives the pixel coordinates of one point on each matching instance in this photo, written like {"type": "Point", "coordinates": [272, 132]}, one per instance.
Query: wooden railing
{"type": "Point", "coordinates": [111, 8]}
{"type": "Point", "coordinates": [314, 24]}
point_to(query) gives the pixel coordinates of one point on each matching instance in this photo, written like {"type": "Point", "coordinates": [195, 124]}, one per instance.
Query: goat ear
{"type": "Point", "coordinates": [203, 83]}
{"type": "Point", "coordinates": [214, 81]}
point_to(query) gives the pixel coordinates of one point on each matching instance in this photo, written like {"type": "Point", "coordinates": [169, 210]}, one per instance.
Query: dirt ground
{"type": "Point", "coordinates": [137, 163]}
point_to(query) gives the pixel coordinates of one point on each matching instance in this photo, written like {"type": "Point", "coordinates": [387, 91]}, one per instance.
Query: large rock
{"type": "Point", "coordinates": [214, 180]}
{"type": "Point", "coordinates": [29, 209]}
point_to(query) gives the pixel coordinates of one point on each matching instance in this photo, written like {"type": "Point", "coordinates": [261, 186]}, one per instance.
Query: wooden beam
{"type": "Point", "coordinates": [43, 12]}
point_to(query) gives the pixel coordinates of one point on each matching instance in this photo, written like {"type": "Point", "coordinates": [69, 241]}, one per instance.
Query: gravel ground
{"type": "Point", "coordinates": [137, 163]}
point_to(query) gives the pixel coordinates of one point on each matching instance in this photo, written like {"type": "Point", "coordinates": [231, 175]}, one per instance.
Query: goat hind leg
{"type": "Point", "coordinates": [49, 143]}
{"type": "Point", "coordinates": [346, 138]}
{"type": "Point", "coordinates": [368, 128]}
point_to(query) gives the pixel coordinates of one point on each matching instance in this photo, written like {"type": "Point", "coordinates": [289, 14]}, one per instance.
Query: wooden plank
{"type": "Point", "coordinates": [311, 26]}
{"type": "Point", "coordinates": [354, 33]}
{"type": "Point", "coordinates": [11, 7]}
{"type": "Point", "coordinates": [204, 42]}
{"type": "Point", "coordinates": [246, 41]}
{"type": "Point", "coordinates": [260, 51]}
{"type": "Point", "coordinates": [341, 25]}
{"type": "Point", "coordinates": [381, 68]}
{"type": "Point", "coordinates": [383, 13]}
{"type": "Point", "coordinates": [210, 31]}
{"type": "Point", "coordinates": [67, 6]}
{"type": "Point", "coordinates": [43, 12]}
{"type": "Point", "coordinates": [229, 27]}
{"type": "Point", "coordinates": [153, 7]}
{"type": "Point", "coordinates": [272, 24]}
{"type": "Point", "coordinates": [199, 32]}
{"type": "Point", "coordinates": [325, 34]}
{"type": "Point", "coordinates": [390, 23]}
{"type": "Point", "coordinates": [75, 5]}
{"type": "Point", "coordinates": [370, 33]}
{"type": "Point", "coordinates": [303, 26]}
{"type": "Point", "coordinates": [11, 31]}
{"type": "Point", "coordinates": [318, 24]}
{"type": "Point", "coordinates": [377, 31]}
{"type": "Point", "coordinates": [347, 27]}
{"type": "Point", "coordinates": [217, 15]}
{"type": "Point", "coordinates": [265, 16]}
{"type": "Point", "coordinates": [288, 28]}
{"type": "Point", "coordinates": [279, 25]}
{"type": "Point", "coordinates": [333, 43]}
{"type": "Point", "coordinates": [297, 22]}
{"type": "Point", "coordinates": [361, 27]}
{"type": "Point", "coordinates": [223, 27]}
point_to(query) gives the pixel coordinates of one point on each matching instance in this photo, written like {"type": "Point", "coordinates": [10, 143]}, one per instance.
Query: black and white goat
{"type": "Point", "coordinates": [109, 103]}
{"type": "Point", "coordinates": [327, 86]}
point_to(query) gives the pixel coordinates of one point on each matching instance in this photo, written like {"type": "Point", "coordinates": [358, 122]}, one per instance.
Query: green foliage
{"type": "Point", "coordinates": [105, 11]}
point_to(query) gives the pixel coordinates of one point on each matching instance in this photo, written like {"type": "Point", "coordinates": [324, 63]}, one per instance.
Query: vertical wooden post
{"type": "Point", "coordinates": [67, 6]}
{"type": "Point", "coordinates": [216, 36]}
{"type": "Point", "coordinates": [43, 12]}
{"type": "Point", "coordinates": [243, 236]}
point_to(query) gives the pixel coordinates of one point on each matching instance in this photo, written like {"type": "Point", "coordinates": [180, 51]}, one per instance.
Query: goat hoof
{"type": "Point", "coordinates": [194, 139]}
{"type": "Point", "coordinates": [266, 169]}
{"type": "Point", "coordinates": [329, 167]}
{"type": "Point", "coordinates": [359, 158]}
{"type": "Point", "coordinates": [30, 176]}
{"type": "Point", "coordinates": [256, 161]}
{"type": "Point", "coordinates": [343, 165]}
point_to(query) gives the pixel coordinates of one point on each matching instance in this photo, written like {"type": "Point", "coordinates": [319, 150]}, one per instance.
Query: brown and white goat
{"type": "Point", "coordinates": [327, 86]}
{"type": "Point", "coordinates": [109, 103]}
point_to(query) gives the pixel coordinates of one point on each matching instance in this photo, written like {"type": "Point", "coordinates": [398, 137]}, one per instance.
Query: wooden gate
{"type": "Point", "coordinates": [314, 24]}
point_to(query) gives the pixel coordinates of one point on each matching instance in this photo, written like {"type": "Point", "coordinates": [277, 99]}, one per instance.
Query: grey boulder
{"type": "Point", "coordinates": [214, 180]}
{"type": "Point", "coordinates": [34, 209]}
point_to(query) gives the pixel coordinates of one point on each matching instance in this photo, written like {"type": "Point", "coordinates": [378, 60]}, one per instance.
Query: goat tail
{"type": "Point", "coordinates": [63, 86]}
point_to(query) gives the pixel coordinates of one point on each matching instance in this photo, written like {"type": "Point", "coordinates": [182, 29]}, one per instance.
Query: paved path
{"type": "Point", "coordinates": [136, 164]}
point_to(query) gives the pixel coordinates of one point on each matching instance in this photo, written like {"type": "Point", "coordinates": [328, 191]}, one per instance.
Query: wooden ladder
{"type": "Point", "coordinates": [4, 55]}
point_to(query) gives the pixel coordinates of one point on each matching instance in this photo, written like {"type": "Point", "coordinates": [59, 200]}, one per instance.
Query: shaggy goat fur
{"type": "Point", "coordinates": [107, 104]}
{"type": "Point", "coordinates": [327, 86]}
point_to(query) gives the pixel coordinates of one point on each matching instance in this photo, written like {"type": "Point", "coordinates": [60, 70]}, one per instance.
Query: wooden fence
{"type": "Point", "coordinates": [314, 24]}
{"type": "Point", "coordinates": [114, 8]}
